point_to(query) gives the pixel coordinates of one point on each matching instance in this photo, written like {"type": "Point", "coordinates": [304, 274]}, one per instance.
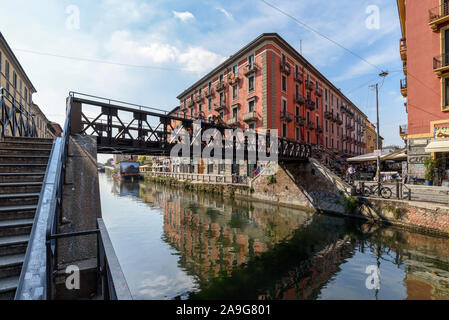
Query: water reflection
{"type": "Point", "coordinates": [220, 249]}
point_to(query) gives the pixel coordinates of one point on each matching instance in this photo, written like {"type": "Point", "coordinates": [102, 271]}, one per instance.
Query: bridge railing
{"type": "Point", "coordinates": [15, 118]}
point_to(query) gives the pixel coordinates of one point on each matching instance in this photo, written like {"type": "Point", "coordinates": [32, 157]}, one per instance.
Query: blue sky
{"type": "Point", "coordinates": [185, 39]}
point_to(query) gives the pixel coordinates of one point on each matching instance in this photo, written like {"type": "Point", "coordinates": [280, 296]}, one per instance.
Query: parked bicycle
{"type": "Point", "coordinates": [373, 190]}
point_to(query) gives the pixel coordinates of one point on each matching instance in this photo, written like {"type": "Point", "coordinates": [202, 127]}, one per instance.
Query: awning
{"type": "Point", "coordinates": [438, 146]}
{"type": "Point", "coordinates": [386, 155]}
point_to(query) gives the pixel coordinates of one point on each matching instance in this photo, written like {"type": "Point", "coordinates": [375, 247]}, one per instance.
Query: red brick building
{"type": "Point", "coordinates": [424, 49]}
{"type": "Point", "coordinates": [268, 85]}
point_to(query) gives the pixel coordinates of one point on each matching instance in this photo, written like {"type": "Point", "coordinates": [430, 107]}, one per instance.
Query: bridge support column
{"type": "Point", "coordinates": [81, 209]}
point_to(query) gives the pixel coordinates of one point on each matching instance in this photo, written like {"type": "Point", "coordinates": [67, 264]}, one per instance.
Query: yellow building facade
{"type": "Point", "coordinates": [371, 138]}
{"type": "Point", "coordinates": [16, 92]}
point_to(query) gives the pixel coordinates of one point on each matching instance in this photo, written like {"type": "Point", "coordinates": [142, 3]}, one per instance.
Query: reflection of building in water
{"type": "Point", "coordinates": [214, 240]}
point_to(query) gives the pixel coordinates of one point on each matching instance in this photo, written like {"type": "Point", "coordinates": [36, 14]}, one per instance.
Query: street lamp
{"type": "Point", "coordinates": [383, 74]}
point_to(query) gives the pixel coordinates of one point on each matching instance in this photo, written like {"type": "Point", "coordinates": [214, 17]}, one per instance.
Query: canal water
{"type": "Point", "coordinates": [173, 244]}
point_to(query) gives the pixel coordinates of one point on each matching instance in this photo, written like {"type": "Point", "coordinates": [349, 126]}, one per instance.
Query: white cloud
{"type": "Point", "coordinates": [184, 16]}
{"type": "Point", "coordinates": [197, 59]}
{"type": "Point", "coordinates": [226, 13]}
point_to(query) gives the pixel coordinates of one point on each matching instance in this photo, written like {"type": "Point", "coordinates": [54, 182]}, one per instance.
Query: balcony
{"type": "Point", "coordinates": [190, 104]}
{"type": "Point", "coordinates": [438, 16]}
{"type": "Point", "coordinates": [220, 86]}
{"type": "Point", "coordinates": [403, 131]}
{"type": "Point", "coordinates": [250, 116]}
{"type": "Point", "coordinates": [299, 99]}
{"type": "Point", "coordinates": [233, 79]}
{"type": "Point", "coordinates": [309, 85]}
{"type": "Point", "coordinates": [310, 105]}
{"type": "Point", "coordinates": [310, 126]}
{"type": "Point", "coordinates": [198, 98]}
{"type": "Point", "coordinates": [220, 106]}
{"type": "Point", "coordinates": [441, 64]}
{"type": "Point", "coordinates": [233, 122]}
{"type": "Point", "coordinates": [319, 129]}
{"type": "Point", "coordinates": [285, 68]}
{"type": "Point", "coordinates": [403, 49]}
{"type": "Point", "coordinates": [318, 92]}
{"type": "Point", "coordinates": [404, 67]}
{"type": "Point", "coordinates": [328, 115]}
{"type": "Point", "coordinates": [285, 116]}
{"type": "Point", "coordinates": [209, 93]}
{"type": "Point", "coordinates": [250, 69]}
{"type": "Point", "coordinates": [299, 77]}
{"type": "Point", "coordinates": [404, 87]}
{"type": "Point", "coordinates": [338, 120]}
{"type": "Point", "coordinates": [300, 121]}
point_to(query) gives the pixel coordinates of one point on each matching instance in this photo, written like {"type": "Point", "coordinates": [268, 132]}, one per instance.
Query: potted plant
{"type": "Point", "coordinates": [430, 164]}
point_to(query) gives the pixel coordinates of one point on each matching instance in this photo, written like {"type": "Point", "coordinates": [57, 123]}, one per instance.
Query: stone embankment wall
{"type": "Point", "coordinates": [313, 186]}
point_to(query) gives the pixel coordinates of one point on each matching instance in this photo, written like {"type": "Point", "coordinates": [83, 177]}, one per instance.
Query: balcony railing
{"type": "Point", "coordinates": [299, 77]}
{"type": "Point", "coordinates": [319, 92]}
{"type": "Point", "coordinates": [328, 115]}
{"type": "Point", "coordinates": [438, 16]}
{"type": "Point", "coordinates": [233, 79]}
{"type": "Point", "coordinates": [441, 64]}
{"type": "Point", "coordinates": [220, 86]}
{"type": "Point", "coordinates": [309, 85]}
{"type": "Point", "coordinates": [319, 128]}
{"type": "Point", "coordinates": [403, 49]}
{"type": "Point", "coordinates": [250, 69]}
{"type": "Point", "coordinates": [300, 121]}
{"type": "Point", "coordinates": [198, 98]}
{"type": "Point", "coordinates": [310, 105]}
{"type": "Point", "coordinates": [286, 116]}
{"type": "Point", "coordinates": [232, 122]}
{"type": "Point", "coordinates": [209, 93]}
{"type": "Point", "coordinates": [403, 130]}
{"type": "Point", "coordinates": [250, 116]}
{"type": "Point", "coordinates": [220, 106]}
{"type": "Point", "coordinates": [285, 68]}
{"type": "Point", "coordinates": [310, 125]}
{"type": "Point", "coordinates": [191, 103]}
{"type": "Point", "coordinates": [404, 87]}
{"type": "Point", "coordinates": [299, 99]}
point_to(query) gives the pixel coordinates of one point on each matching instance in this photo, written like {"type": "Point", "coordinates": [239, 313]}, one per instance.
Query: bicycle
{"type": "Point", "coordinates": [385, 192]}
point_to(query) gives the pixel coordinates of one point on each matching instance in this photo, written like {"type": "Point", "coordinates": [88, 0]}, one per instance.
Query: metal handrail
{"type": "Point", "coordinates": [74, 94]}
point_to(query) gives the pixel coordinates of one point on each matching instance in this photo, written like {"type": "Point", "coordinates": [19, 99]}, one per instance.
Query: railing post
{"type": "Point", "coordinates": [76, 124]}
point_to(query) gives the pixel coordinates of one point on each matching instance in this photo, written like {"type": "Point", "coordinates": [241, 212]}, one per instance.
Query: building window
{"type": "Point", "coordinates": [317, 101]}
{"type": "Point", "coordinates": [222, 115]}
{"type": "Point", "coordinates": [251, 105]}
{"type": "Point", "coordinates": [327, 126]}
{"type": "Point", "coordinates": [326, 142]}
{"type": "Point", "coordinates": [284, 83]}
{"type": "Point", "coordinates": [308, 137]}
{"type": "Point", "coordinates": [252, 126]}
{"type": "Point", "coordinates": [284, 130]}
{"type": "Point", "coordinates": [209, 104]}
{"type": "Point", "coordinates": [446, 92]}
{"type": "Point", "coordinates": [200, 92]}
{"type": "Point", "coordinates": [210, 86]}
{"type": "Point", "coordinates": [284, 106]}
{"type": "Point", "coordinates": [251, 61]}
{"type": "Point", "coordinates": [200, 108]}
{"type": "Point", "coordinates": [297, 134]}
{"type": "Point", "coordinates": [221, 98]}
{"type": "Point", "coordinates": [235, 113]}
{"type": "Point", "coordinates": [235, 70]}
{"type": "Point", "coordinates": [0, 62]}
{"type": "Point", "coordinates": [297, 113]}
{"type": "Point", "coordinates": [325, 94]}
{"type": "Point", "coordinates": [251, 84]}
{"type": "Point", "coordinates": [235, 92]}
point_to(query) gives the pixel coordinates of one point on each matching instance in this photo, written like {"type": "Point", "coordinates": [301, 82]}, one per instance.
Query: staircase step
{"type": "Point", "coordinates": [8, 287]}
{"type": "Point", "coordinates": [12, 177]}
{"type": "Point", "coordinates": [17, 212]}
{"type": "Point", "coordinates": [22, 167]}
{"type": "Point", "coordinates": [20, 187]}
{"type": "Point", "coordinates": [13, 244]}
{"type": "Point", "coordinates": [27, 139]}
{"type": "Point", "coordinates": [19, 144]}
{"type": "Point", "coordinates": [25, 151]}
{"type": "Point", "coordinates": [12, 199]}
{"type": "Point", "coordinates": [11, 265]}
{"type": "Point", "coordinates": [15, 227]}
{"type": "Point", "coordinates": [25, 159]}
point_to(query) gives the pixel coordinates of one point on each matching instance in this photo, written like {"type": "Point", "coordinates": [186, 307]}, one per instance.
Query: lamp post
{"type": "Point", "coordinates": [383, 75]}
